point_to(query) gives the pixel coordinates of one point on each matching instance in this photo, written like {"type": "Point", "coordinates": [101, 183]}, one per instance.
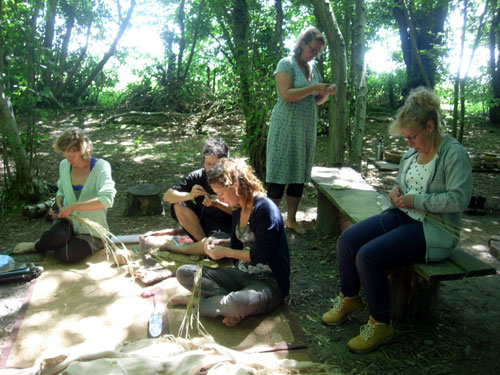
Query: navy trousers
{"type": "Point", "coordinates": [367, 249]}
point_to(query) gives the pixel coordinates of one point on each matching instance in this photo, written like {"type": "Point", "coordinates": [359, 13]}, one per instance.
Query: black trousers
{"type": "Point", "coordinates": [61, 238]}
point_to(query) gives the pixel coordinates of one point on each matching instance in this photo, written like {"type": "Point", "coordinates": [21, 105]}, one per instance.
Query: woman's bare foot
{"type": "Point", "coordinates": [195, 248]}
{"type": "Point", "coordinates": [147, 242]}
{"type": "Point", "coordinates": [231, 321]}
{"type": "Point", "coordinates": [24, 248]}
{"type": "Point", "coordinates": [180, 300]}
{"type": "Point", "coordinates": [170, 245]}
{"type": "Point", "coordinates": [295, 227]}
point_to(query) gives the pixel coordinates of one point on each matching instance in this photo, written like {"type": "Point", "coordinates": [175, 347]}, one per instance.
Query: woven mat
{"type": "Point", "coordinates": [95, 304]}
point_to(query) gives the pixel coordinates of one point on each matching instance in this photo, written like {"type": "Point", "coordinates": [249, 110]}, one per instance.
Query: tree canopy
{"type": "Point", "coordinates": [66, 53]}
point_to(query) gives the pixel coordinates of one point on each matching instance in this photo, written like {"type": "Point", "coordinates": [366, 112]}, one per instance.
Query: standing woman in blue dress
{"type": "Point", "coordinates": [85, 189]}
{"type": "Point", "coordinates": [291, 140]}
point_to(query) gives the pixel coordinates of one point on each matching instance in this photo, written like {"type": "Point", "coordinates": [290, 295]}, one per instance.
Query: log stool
{"type": "Point", "coordinates": [143, 200]}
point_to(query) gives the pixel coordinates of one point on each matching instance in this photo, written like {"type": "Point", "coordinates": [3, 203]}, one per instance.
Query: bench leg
{"type": "Point", "coordinates": [327, 216]}
{"type": "Point", "coordinates": [413, 299]}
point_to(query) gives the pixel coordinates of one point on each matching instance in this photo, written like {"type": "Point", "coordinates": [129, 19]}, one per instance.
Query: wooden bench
{"type": "Point", "coordinates": [344, 199]}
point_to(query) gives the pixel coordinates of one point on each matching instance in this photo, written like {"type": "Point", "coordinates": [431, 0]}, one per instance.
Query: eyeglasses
{"type": "Point", "coordinates": [413, 138]}
{"type": "Point", "coordinates": [314, 51]}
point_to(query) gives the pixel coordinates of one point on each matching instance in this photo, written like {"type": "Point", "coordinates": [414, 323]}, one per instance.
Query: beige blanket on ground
{"type": "Point", "coordinates": [92, 304]}
{"type": "Point", "coordinates": [169, 356]}
{"type": "Point", "coordinates": [96, 305]}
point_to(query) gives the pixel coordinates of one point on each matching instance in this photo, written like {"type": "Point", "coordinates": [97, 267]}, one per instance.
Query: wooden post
{"type": "Point", "coordinates": [412, 298]}
{"type": "Point", "coordinates": [327, 216]}
{"type": "Point", "coordinates": [143, 199]}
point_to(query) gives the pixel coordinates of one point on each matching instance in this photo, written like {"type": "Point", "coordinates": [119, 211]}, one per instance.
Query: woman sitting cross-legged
{"type": "Point", "coordinates": [260, 280]}
{"type": "Point", "coordinates": [85, 189]}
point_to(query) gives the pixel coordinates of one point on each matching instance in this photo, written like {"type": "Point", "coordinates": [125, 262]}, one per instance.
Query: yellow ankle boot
{"type": "Point", "coordinates": [342, 308]}
{"type": "Point", "coordinates": [372, 335]}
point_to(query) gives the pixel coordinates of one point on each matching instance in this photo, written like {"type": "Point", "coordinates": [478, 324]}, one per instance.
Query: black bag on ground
{"type": "Point", "coordinates": [25, 273]}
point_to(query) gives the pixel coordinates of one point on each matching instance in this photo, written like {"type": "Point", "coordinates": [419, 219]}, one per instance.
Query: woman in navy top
{"type": "Point", "coordinates": [260, 279]}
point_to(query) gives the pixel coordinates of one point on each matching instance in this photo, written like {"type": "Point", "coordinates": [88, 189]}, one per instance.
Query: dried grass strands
{"type": "Point", "coordinates": [445, 224]}
{"type": "Point", "coordinates": [191, 319]}
{"type": "Point", "coordinates": [105, 235]}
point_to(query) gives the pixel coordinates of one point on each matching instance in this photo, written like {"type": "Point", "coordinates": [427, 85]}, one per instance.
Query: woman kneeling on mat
{"type": "Point", "coordinates": [260, 279]}
{"type": "Point", "coordinates": [86, 190]}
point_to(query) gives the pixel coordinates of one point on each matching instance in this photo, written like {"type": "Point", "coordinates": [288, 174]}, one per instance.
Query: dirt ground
{"type": "Point", "coordinates": [463, 339]}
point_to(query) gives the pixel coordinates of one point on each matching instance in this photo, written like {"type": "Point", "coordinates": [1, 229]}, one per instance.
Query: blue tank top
{"type": "Point", "coordinates": [80, 187]}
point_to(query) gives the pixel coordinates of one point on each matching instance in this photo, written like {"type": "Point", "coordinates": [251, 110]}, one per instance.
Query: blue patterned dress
{"type": "Point", "coordinates": [291, 140]}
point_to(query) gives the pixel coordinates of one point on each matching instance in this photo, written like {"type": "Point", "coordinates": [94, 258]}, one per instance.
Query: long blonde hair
{"type": "Point", "coordinates": [236, 172]}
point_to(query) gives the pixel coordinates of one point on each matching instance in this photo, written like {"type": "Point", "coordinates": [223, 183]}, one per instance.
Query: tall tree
{"type": "Point", "coordinates": [494, 64]}
{"type": "Point", "coordinates": [456, 82]}
{"type": "Point", "coordinates": [50, 19]}
{"type": "Point", "coordinates": [463, 80]}
{"type": "Point", "coordinates": [23, 183]}
{"type": "Point", "coordinates": [338, 106]}
{"type": "Point", "coordinates": [109, 54]}
{"type": "Point", "coordinates": [427, 18]}
{"type": "Point", "coordinates": [359, 51]}
{"type": "Point", "coordinates": [248, 47]}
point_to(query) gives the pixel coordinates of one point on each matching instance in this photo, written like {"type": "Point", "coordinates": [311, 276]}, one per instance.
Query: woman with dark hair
{"type": "Point", "coordinates": [433, 187]}
{"type": "Point", "coordinates": [193, 202]}
{"type": "Point", "coordinates": [291, 140]}
{"type": "Point", "coordinates": [85, 189]}
{"type": "Point", "coordinates": [260, 279]}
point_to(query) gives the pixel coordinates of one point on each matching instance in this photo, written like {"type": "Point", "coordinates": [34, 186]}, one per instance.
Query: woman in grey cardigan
{"type": "Point", "coordinates": [432, 189]}
{"type": "Point", "coordinates": [85, 189]}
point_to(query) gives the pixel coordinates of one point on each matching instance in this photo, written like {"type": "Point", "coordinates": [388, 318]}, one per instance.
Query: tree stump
{"type": "Point", "coordinates": [143, 200]}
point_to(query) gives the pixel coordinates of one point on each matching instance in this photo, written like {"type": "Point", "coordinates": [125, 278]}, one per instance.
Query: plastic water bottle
{"type": "Point", "coordinates": [155, 323]}
{"type": "Point", "coordinates": [383, 202]}
{"type": "Point", "coordinates": [380, 149]}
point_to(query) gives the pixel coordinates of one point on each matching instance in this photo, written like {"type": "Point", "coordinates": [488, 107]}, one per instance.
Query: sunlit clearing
{"type": "Point", "coordinates": [139, 159]}
{"type": "Point", "coordinates": [379, 55]}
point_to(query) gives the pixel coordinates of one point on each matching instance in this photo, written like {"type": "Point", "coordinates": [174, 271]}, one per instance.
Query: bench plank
{"type": "Point", "coordinates": [438, 271]}
{"type": "Point", "coordinates": [470, 264]}
{"type": "Point", "coordinates": [355, 204]}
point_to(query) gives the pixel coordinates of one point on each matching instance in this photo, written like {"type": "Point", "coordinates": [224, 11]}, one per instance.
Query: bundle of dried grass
{"type": "Point", "coordinates": [115, 249]}
{"type": "Point", "coordinates": [191, 319]}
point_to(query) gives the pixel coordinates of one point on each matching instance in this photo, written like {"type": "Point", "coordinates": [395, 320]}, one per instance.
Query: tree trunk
{"type": "Point", "coordinates": [278, 32]}
{"type": "Point", "coordinates": [70, 23]}
{"type": "Point", "coordinates": [361, 94]}
{"type": "Point", "coordinates": [427, 25]}
{"type": "Point", "coordinates": [464, 78]}
{"type": "Point", "coordinates": [48, 39]}
{"type": "Point", "coordinates": [456, 88]}
{"type": "Point", "coordinates": [108, 55]}
{"type": "Point", "coordinates": [494, 67]}
{"type": "Point", "coordinates": [69, 78]}
{"type": "Point", "coordinates": [8, 126]}
{"type": "Point", "coordinates": [337, 106]}
{"type": "Point", "coordinates": [182, 39]}
{"type": "Point", "coordinates": [254, 119]}
{"type": "Point", "coordinates": [195, 39]}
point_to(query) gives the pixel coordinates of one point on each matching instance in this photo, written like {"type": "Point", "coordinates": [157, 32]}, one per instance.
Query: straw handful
{"type": "Point", "coordinates": [112, 249]}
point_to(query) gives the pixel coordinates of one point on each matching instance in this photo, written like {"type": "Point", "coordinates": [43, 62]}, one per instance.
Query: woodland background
{"type": "Point", "coordinates": [218, 56]}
